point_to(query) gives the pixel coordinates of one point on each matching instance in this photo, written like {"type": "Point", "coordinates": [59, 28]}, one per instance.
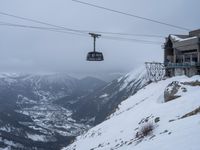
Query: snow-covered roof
{"type": "Point", "coordinates": [180, 38]}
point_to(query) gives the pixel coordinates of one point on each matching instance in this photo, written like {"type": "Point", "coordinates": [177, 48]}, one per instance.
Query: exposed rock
{"type": "Point", "coordinates": [194, 112]}
{"type": "Point", "coordinates": [157, 119]}
{"type": "Point", "coordinates": [171, 91]}
{"type": "Point", "coordinates": [194, 83]}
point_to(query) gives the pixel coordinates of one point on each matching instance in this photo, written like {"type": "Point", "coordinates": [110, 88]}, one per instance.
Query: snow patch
{"type": "Point", "coordinates": [36, 137]}
{"type": "Point", "coordinates": [176, 38]}
{"type": "Point", "coordinates": [104, 95]}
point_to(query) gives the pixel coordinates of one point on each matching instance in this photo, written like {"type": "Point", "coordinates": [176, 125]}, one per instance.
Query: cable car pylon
{"type": "Point", "coordinates": [95, 55]}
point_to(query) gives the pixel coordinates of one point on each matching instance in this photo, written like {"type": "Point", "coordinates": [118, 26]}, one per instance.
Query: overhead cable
{"type": "Point", "coordinates": [132, 15]}
{"type": "Point", "coordinates": [57, 27]}
{"type": "Point", "coordinates": [79, 34]}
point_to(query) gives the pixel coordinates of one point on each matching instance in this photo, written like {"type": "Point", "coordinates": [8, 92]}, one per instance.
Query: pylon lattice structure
{"type": "Point", "coordinates": [155, 71]}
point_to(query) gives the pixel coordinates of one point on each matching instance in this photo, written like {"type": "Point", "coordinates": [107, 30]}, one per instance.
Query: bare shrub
{"type": "Point", "coordinates": [145, 130]}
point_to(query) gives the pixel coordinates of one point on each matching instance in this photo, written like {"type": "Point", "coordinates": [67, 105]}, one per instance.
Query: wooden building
{"type": "Point", "coordinates": [182, 54]}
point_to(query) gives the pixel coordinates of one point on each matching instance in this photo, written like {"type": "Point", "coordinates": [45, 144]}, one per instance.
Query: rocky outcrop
{"type": "Point", "coordinates": [171, 91]}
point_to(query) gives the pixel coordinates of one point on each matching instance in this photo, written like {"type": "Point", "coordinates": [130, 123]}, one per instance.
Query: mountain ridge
{"type": "Point", "coordinates": [98, 105]}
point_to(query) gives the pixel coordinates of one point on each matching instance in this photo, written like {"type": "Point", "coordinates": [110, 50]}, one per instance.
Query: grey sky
{"type": "Point", "coordinates": [29, 50]}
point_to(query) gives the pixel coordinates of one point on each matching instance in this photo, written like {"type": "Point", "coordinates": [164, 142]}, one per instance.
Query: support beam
{"type": "Point", "coordinates": [174, 55]}
{"type": "Point", "coordinates": [94, 36]}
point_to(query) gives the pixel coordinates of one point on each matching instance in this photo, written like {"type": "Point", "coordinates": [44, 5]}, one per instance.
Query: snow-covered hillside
{"type": "Point", "coordinates": [170, 106]}
{"type": "Point", "coordinates": [99, 104]}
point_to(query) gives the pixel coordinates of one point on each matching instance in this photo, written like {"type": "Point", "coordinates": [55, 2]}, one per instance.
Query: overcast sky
{"type": "Point", "coordinates": [30, 50]}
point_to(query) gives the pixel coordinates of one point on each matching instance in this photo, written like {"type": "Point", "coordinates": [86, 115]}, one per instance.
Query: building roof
{"type": "Point", "coordinates": [184, 42]}
{"type": "Point", "coordinates": [180, 38]}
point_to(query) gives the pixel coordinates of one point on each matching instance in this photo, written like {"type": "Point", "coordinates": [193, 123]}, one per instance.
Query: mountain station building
{"type": "Point", "coordinates": [182, 54]}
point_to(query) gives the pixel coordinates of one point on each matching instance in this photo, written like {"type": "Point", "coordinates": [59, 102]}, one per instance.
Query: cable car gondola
{"type": "Point", "coordinates": [94, 55]}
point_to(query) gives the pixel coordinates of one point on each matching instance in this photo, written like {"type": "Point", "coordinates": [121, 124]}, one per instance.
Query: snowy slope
{"type": "Point", "coordinates": [176, 122]}
{"type": "Point", "coordinates": [135, 78]}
